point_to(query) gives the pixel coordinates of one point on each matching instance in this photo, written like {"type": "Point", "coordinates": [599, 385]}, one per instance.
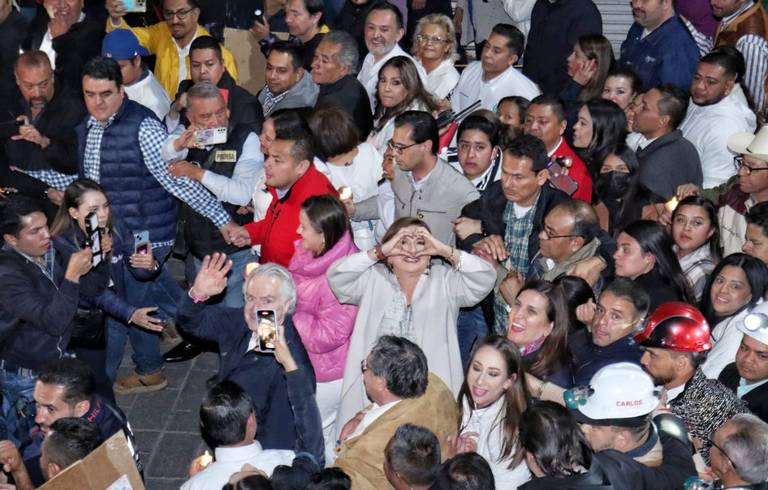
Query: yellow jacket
{"type": "Point", "coordinates": [159, 42]}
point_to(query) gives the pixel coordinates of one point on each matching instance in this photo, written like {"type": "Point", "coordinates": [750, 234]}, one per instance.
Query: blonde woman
{"type": "Point", "coordinates": [434, 46]}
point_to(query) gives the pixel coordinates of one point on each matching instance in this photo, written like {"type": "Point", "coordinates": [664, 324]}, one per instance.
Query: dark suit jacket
{"type": "Point", "coordinates": [57, 121]}
{"type": "Point", "coordinates": [668, 162]}
{"type": "Point", "coordinates": [73, 49]}
{"type": "Point", "coordinates": [757, 399]}
{"type": "Point", "coordinates": [490, 210]}
{"type": "Point", "coordinates": [258, 374]}
{"type": "Point", "coordinates": [350, 95]}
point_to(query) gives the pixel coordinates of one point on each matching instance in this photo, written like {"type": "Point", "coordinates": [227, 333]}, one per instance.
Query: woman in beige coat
{"type": "Point", "coordinates": [402, 291]}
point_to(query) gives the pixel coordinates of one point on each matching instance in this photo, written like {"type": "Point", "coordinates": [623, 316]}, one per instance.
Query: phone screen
{"type": "Point", "coordinates": [93, 238]}
{"type": "Point", "coordinates": [267, 325]}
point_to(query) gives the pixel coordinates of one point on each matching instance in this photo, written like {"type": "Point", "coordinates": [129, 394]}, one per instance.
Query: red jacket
{"type": "Point", "coordinates": [577, 172]}
{"type": "Point", "coordinates": [277, 231]}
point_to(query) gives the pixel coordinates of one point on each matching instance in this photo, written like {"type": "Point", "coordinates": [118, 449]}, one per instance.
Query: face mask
{"type": "Point", "coordinates": [613, 184]}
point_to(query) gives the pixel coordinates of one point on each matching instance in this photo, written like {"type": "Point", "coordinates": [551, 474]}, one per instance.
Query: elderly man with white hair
{"type": "Point", "coordinates": [245, 357]}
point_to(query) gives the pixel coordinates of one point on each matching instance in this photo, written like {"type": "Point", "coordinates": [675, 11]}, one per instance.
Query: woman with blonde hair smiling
{"type": "Point", "coordinates": [434, 45]}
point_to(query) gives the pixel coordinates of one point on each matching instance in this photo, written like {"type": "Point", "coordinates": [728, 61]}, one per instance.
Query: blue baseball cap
{"type": "Point", "coordinates": [122, 44]}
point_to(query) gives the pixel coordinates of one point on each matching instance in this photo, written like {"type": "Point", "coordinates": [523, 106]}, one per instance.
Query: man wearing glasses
{"type": "Point", "coordinates": [170, 41]}
{"type": "Point", "coordinates": [571, 234]}
{"type": "Point", "coordinates": [737, 196]}
{"type": "Point", "coordinates": [425, 186]}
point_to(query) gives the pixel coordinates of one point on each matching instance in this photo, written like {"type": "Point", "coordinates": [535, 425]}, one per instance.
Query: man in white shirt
{"type": "Point", "coordinates": [717, 110]}
{"type": "Point", "coordinates": [228, 421]}
{"type": "Point", "coordinates": [228, 170]}
{"type": "Point", "coordinates": [495, 77]}
{"type": "Point", "coordinates": [140, 83]}
{"type": "Point", "coordinates": [383, 30]}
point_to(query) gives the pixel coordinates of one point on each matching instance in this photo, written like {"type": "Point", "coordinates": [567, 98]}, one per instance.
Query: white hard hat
{"type": "Point", "coordinates": [619, 391]}
{"type": "Point", "coordinates": [755, 324]}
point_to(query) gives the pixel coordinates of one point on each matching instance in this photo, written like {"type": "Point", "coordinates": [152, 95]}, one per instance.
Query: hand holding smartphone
{"type": "Point", "coordinates": [93, 238]}
{"type": "Point", "coordinates": [267, 331]}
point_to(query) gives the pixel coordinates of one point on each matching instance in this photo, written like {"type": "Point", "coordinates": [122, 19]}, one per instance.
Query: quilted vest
{"type": "Point", "coordinates": [201, 235]}
{"type": "Point", "coordinates": [135, 196]}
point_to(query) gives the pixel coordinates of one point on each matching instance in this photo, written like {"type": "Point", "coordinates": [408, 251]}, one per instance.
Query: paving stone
{"type": "Point", "coordinates": [207, 361]}
{"type": "Point", "coordinates": [146, 440]}
{"type": "Point", "coordinates": [163, 483]}
{"type": "Point", "coordinates": [151, 411]}
{"type": "Point", "coordinates": [193, 391]}
{"type": "Point", "coordinates": [184, 421]}
{"type": "Point", "coordinates": [173, 455]}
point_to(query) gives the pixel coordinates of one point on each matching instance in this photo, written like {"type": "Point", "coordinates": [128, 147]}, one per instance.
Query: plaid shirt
{"type": "Point", "coordinates": [516, 235]}
{"type": "Point", "coordinates": [152, 134]}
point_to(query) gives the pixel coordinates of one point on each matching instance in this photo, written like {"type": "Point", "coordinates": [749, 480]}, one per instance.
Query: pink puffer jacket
{"type": "Point", "coordinates": [324, 324]}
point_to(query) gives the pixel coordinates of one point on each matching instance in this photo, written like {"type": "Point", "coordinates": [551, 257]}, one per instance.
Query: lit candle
{"type": "Point", "coordinates": [205, 459]}
{"type": "Point", "coordinates": [250, 267]}
{"type": "Point", "coordinates": [671, 204]}
{"type": "Point", "coordinates": [345, 193]}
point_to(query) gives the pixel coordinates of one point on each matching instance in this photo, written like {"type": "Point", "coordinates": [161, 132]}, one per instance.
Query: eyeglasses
{"type": "Point", "coordinates": [552, 237]}
{"type": "Point", "coordinates": [430, 39]}
{"type": "Point", "coordinates": [364, 365]}
{"type": "Point", "coordinates": [181, 14]}
{"type": "Point", "coordinates": [398, 148]}
{"type": "Point", "coordinates": [738, 162]}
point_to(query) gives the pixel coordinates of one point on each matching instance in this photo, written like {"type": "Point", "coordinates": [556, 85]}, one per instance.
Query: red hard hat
{"type": "Point", "coordinates": [676, 326]}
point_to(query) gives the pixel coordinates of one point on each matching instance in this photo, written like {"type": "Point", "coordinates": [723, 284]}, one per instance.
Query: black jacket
{"type": "Point", "coordinates": [490, 210]}
{"type": "Point", "coordinates": [659, 288]}
{"type": "Point", "coordinates": [57, 121]}
{"type": "Point", "coordinates": [12, 32]}
{"type": "Point", "coordinates": [35, 313]}
{"type": "Point", "coordinates": [244, 107]}
{"type": "Point", "coordinates": [669, 162]}
{"type": "Point", "coordinates": [612, 470]}
{"type": "Point", "coordinates": [74, 48]}
{"type": "Point", "coordinates": [351, 19]}
{"type": "Point", "coordinates": [349, 95]}
{"type": "Point", "coordinates": [757, 399]}
{"type": "Point", "coordinates": [555, 27]}
{"type": "Point", "coordinates": [258, 374]}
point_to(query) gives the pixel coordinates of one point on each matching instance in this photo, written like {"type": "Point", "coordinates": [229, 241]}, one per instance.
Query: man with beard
{"type": "Point", "coordinates": [170, 41]}
{"type": "Point", "coordinates": [717, 109]}
{"type": "Point", "coordinates": [676, 340]}
{"type": "Point", "coordinates": [46, 139]}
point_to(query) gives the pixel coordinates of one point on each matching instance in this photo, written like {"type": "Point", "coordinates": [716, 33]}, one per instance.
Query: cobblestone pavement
{"type": "Point", "coordinates": [166, 423]}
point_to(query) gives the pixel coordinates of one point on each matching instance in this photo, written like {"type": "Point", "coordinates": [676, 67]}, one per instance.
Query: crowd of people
{"type": "Point", "coordinates": [542, 268]}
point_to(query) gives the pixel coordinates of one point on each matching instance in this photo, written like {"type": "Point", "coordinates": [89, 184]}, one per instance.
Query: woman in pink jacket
{"type": "Point", "coordinates": [324, 324]}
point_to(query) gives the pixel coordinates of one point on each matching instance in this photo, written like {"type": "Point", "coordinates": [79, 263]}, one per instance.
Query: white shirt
{"type": "Point", "coordinates": [386, 205]}
{"type": "Point", "coordinates": [709, 128]}
{"type": "Point", "coordinates": [370, 417]}
{"type": "Point", "coordinates": [46, 45]}
{"type": "Point", "coordinates": [183, 53]}
{"type": "Point", "coordinates": [149, 93]}
{"type": "Point", "coordinates": [442, 80]}
{"type": "Point", "coordinates": [726, 338]}
{"type": "Point", "coordinates": [362, 177]}
{"type": "Point", "coordinates": [473, 86]}
{"type": "Point", "coordinates": [237, 189]}
{"type": "Point", "coordinates": [229, 460]}
{"type": "Point", "coordinates": [369, 73]}
{"type": "Point", "coordinates": [487, 422]}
